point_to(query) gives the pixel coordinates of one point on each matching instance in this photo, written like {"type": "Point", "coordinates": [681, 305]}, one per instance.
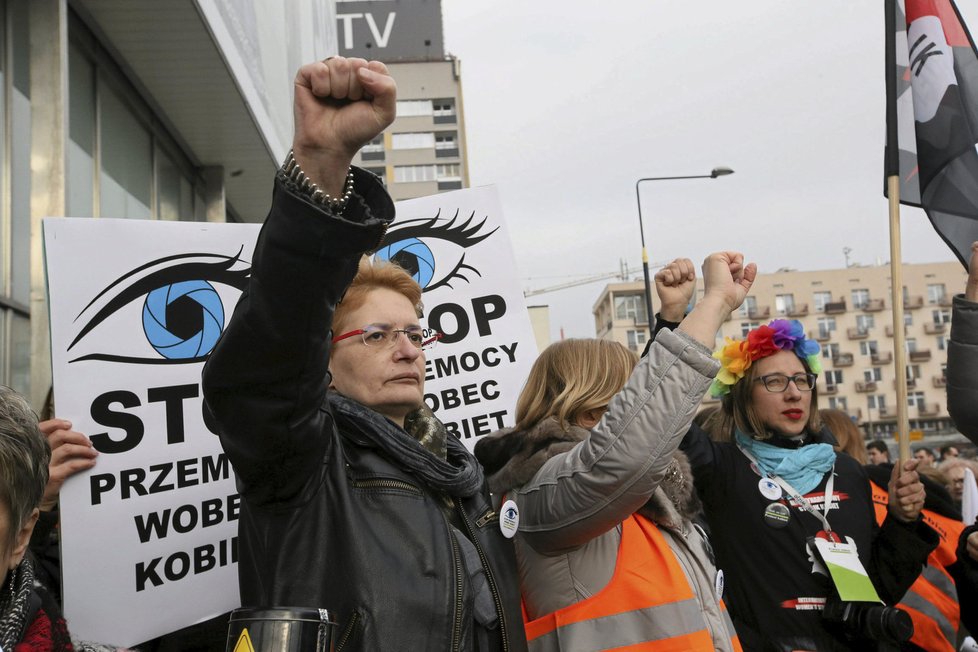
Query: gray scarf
{"type": "Point", "coordinates": [456, 474]}
{"type": "Point", "coordinates": [15, 604]}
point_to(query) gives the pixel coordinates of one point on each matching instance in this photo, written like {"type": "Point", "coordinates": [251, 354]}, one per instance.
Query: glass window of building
{"type": "Point", "coordinates": [868, 347]}
{"type": "Point", "coordinates": [833, 377]}
{"type": "Point", "coordinates": [419, 140]}
{"type": "Point", "coordinates": [409, 108]}
{"type": "Point", "coordinates": [630, 306]}
{"type": "Point", "coordinates": [907, 318]}
{"type": "Point", "coordinates": [636, 339]}
{"type": "Point", "coordinates": [784, 303]}
{"type": "Point", "coordinates": [449, 172]}
{"type": "Point", "coordinates": [749, 306]}
{"type": "Point", "coordinates": [838, 403]}
{"type": "Point", "coordinates": [414, 173]}
{"type": "Point", "coordinates": [819, 299]}
{"type": "Point", "coordinates": [935, 292]}
{"type": "Point", "coordinates": [915, 399]}
{"type": "Point", "coordinates": [876, 401]}
{"type": "Point", "coordinates": [444, 111]}
{"type": "Point", "coordinates": [864, 323]}
{"type": "Point", "coordinates": [942, 316]}
{"type": "Point", "coordinates": [941, 342]}
{"type": "Point", "coordinates": [830, 351]}
{"type": "Point", "coordinates": [826, 325]}
{"type": "Point", "coordinates": [860, 297]}
{"type": "Point", "coordinates": [873, 375]}
{"type": "Point", "coordinates": [747, 326]}
{"type": "Point", "coordinates": [374, 150]}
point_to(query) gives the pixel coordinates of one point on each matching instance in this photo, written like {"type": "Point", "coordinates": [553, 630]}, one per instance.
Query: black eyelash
{"type": "Point", "coordinates": [218, 271]}
{"type": "Point", "coordinates": [461, 234]}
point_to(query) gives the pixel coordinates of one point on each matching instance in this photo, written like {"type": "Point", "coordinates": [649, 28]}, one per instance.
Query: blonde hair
{"type": "Point", "coordinates": [376, 275]}
{"type": "Point", "coordinates": [571, 377]}
{"type": "Point", "coordinates": [848, 436]}
{"type": "Point", "coordinates": [738, 405]}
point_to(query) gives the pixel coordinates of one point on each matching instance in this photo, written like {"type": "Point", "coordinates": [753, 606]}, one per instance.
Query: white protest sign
{"type": "Point", "coordinates": [149, 536]}
{"type": "Point", "coordinates": [457, 246]}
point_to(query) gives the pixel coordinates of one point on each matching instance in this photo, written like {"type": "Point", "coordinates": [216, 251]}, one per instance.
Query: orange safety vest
{"type": "Point", "coordinates": [932, 600]}
{"type": "Point", "coordinates": [648, 605]}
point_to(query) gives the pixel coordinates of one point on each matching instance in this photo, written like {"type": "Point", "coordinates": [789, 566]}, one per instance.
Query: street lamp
{"type": "Point", "coordinates": [716, 172]}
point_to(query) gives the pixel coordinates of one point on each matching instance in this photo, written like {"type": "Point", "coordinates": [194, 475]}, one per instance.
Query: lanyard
{"type": "Point", "coordinates": [797, 497]}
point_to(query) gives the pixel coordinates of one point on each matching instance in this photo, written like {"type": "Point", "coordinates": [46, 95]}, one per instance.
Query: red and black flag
{"type": "Point", "coordinates": [932, 116]}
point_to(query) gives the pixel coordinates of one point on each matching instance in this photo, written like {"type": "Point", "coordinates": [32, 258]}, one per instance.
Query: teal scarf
{"type": "Point", "coordinates": [802, 468]}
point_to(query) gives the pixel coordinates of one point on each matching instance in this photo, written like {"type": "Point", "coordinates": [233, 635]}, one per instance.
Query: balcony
{"type": "Point", "coordinates": [842, 360]}
{"type": "Point", "coordinates": [928, 409]}
{"type": "Point", "coordinates": [911, 383]}
{"type": "Point", "coordinates": [940, 381]}
{"type": "Point", "coordinates": [873, 305]}
{"type": "Point", "coordinates": [829, 390]}
{"type": "Point", "coordinates": [881, 358]}
{"type": "Point", "coordinates": [866, 387]}
{"type": "Point", "coordinates": [820, 335]}
{"type": "Point", "coordinates": [935, 329]}
{"type": "Point", "coordinates": [759, 312]}
{"type": "Point", "coordinates": [372, 155]}
{"type": "Point", "coordinates": [857, 333]}
{"type": "Point", "coordinates": [919, 356]}
{"type": "Point", "coordinates": [835, 307]}
{"type": "Point", "coordinates": [913, 302]}
{"type": "Point", "coordinates": [889, 330]}
{"type": "Point", "coordinates": [886, 413]}
{"type": "Point", "coordinates": [798, 310]}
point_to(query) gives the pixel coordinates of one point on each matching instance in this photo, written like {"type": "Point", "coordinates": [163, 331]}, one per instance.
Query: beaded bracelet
{"type": "Point", "coordinates": [294, 174]}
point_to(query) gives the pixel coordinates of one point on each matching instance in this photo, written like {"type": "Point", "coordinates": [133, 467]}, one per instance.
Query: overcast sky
{"type": "Point", "coordinates": [568, 103]}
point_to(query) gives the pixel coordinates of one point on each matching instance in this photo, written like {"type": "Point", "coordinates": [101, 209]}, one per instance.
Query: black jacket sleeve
{"type": "Point", "coordinates": [962, 367]}
{"type": "Point", "coordinates": [265, 383]}
{"type": "Point", "coordinates": [965, 574]}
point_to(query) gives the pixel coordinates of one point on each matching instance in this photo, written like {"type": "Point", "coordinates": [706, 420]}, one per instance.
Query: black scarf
{"type": "Point", "coordinates": [15, 604]}
{"type": "Point", "coordinates": [457, 474]}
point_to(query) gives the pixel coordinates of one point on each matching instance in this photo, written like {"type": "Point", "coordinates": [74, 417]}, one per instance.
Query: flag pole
{"type": "Point", "coordinates": [896, 270]}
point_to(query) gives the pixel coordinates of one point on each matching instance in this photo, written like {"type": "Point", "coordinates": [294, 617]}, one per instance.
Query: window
{"type": "Point", "coordinates": [443, 111]}
{"type": "Point", "coordinates": [860, 297]}
{"type": "Point", "coordinates": [911, 344]}
{"type": "Point", "coordinates": [838, 403]}
{"type": "Point", "coordinates": [830, 351]}
{"type": "Point", "coordinates": [631, 306]}
{"type": "Point", "coordinates": [784, 303]}
{"type": "Point", "coordinates": [941, 343]}
{"type": "Point", "coordinates": [414, 173]}
{"type": "Point", "coordinates": [446, 141]}
{"type": "Point", "coordinates": [408, 108]}
{"type": "Point", "coordinates": [864, 323]}
{"type": "Point", "coordinates": [420, 140]}
{"type": "Point", "coordinates": [935, 292]}
{"type": "Point", "coordinates": [374, 150]}
{"type": "Point", "coordinates": [747, 326]}
{"type": "Point", "coordinates": [915, 399]}
{"type": "Point", "coordinates": [873, 375]}
{"type": "Point", "coordinates": [826, 325]}
{"type": "Point", "coordinates": [913, 372]}
{"type": "Point", "coordinates": [874, 401]}
{"type": "Point", "coordinates": [820, 299]}
{"type": "Point", "coordinates": [941, 316]}
{"type": "Point", "coordinates": [833, 377]}
{"type": "Point", "coordinates": [944, 370]}
{"type": "Point", "coordinates": [748, 306]}
{"type": "Point", "coordinates": [636, 340]}
{"type": "Point", "coordinates": [868, 347]}
{"type": "Point", "coordinates": [448, 172]}
{"type": "Point", "coordinates": [907, 318]}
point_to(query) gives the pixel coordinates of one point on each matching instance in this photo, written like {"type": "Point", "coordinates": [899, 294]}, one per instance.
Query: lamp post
{"type": "Point", "coordinates": [716, 172]}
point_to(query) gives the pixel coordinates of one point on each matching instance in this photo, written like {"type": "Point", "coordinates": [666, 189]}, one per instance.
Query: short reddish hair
{"type": "Point", "coordinates": [375, 275]}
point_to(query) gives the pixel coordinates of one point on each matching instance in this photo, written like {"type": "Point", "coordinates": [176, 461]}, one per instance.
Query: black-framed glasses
{"type": "Point", "coordinates": [779, 382]}
{"type": "Point", "coordinates": [383, 335]}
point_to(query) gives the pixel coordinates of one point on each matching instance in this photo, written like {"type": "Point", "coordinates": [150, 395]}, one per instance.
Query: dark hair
{"type": "Point", "coordinates": [24, 457]}
{"type": "Point", "coordinates": [929, 452]}
{"type": "Point", "coordinates": [880, 445]}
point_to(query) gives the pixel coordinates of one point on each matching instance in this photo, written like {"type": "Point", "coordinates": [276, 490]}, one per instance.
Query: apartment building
{"type": "Point", "coordinates": [848, 311]}
{"type": "Point", "coordinates": [423, 152]}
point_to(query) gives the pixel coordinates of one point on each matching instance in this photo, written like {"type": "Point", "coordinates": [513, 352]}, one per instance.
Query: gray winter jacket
{"type": "Point", "coordinates": [574, 488]}
{"type": "Point", "coordinates": [962, 367]}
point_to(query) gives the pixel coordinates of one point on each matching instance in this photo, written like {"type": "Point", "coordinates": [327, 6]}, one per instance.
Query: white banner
{"type": "Point", "coordinates": [457, 246]}
{"type": "Point", "coordinates": [149, 536]}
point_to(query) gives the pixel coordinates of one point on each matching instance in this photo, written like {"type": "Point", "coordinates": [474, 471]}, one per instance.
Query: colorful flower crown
{"type": "Point", "coordinates": [736, 356]}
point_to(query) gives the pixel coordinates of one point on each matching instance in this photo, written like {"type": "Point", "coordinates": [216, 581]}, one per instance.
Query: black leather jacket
{"type": "Point", "coordinates": [328, 519]}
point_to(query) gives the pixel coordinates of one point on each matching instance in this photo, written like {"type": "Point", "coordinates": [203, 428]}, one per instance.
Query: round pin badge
{"type": "Point", "coordinates": [509, 519]}
{"type": "Point", "coordinates": [769, 488]}
{"type": "Point", "coordinates": [718, 583]}
{"type": "Point", "coordinates": [777, 515]}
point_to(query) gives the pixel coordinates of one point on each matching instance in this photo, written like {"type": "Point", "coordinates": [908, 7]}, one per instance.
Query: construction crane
{"type": "Point", "coordinates": [622, 274]}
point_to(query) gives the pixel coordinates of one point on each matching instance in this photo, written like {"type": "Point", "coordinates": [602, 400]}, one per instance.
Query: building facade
{"type": "Point", "coordinates": [848, 311]}
{"type": "Point", "coordinates": [423, 152]}
{"type": "Point", "coordinates": [140, 110]}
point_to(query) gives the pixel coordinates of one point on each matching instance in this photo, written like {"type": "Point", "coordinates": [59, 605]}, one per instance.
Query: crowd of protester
{"type": "Point", "coordinates": [615, 513]}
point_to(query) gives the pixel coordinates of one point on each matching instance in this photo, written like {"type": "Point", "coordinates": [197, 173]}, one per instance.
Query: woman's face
{"type": "Point", "coordinates": [784, 412]}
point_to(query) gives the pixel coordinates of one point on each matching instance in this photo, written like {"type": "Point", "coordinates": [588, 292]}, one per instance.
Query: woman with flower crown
{"type": "Point", "coordinates": [785, 550]}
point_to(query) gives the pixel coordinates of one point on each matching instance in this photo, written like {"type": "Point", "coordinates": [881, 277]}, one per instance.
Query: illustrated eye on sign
{"type": "Point", "coordinates": [174, 303]}
{"type": "Point", "coordinates": [425, 247]}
